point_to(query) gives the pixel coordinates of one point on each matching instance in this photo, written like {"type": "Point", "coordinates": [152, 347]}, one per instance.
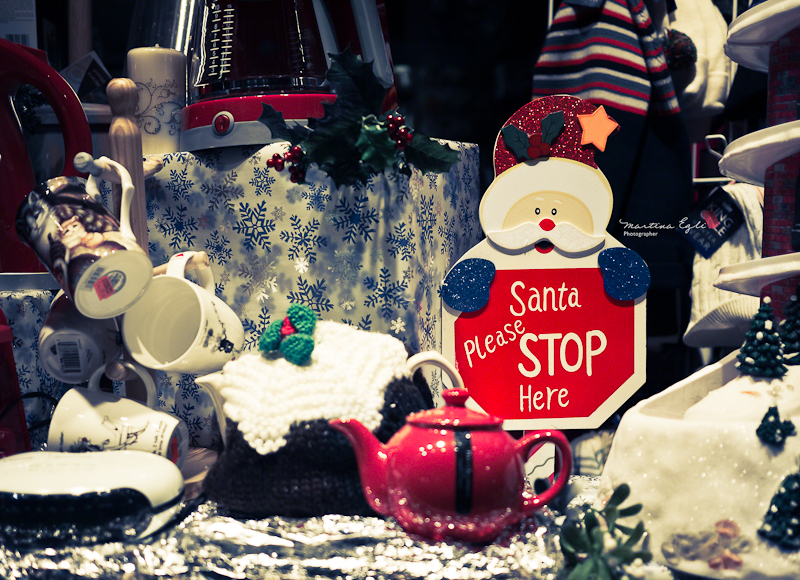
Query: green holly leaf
{"type": "Point", "coordinates": [552, 125]}
{"type": "Point", "coordinates": [574, 540]}
{"type": "Point", "coordinates": [583, 571]}
{"type": "Point", "coordinates": [377, 148]}
{"type": "Point", "coordinates": [620, 494]}
{"type": "Point", "coordinates": [631, 510]}
{"type": "Point", "coordinates": [280, 130]}
{"type": "Point", "coordinates": [517, 140]}
{"type": "Point", "coordinates": [429, 155]}
{"type": "Point", "coordinates": [635, 536]}
{"type": "Point", "coordinates": [355, 83]}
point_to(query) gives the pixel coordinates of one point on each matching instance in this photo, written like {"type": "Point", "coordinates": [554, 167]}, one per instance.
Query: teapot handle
{"type": "Point", "coordinates": [436, 359]}
{"type": "Point", "coordinates": [525, 446]}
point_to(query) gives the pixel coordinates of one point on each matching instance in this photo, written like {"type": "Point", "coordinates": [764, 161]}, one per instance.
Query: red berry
{"type": "Point", "coordinates": [288, 156]}
{"type": "Point", "coordinates": [402, 132]}
{"type": "Point", "coordinates": [293, 178]}
{"type": "Point", "coordinates": [535, 139]}
{"type": "Point", "coordinates": [297, 151]}
{"type": "Point", "coordinates": [270, 163]}
{"type": "Point", "coordinates": [401, 145]}
{"type": "Point", "coordinates": [279, 165]}
{"type": "Point", "coordinates": [400, 119]}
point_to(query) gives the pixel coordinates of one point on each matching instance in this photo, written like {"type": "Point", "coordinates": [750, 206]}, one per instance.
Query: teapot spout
{"type": "Point", "coordinates": [371, 456]}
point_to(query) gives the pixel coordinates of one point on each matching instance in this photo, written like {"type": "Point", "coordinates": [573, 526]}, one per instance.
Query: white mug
{"type": "Point", "coordinates": [92, 254]}
{"type": "Point", "coordinates": [87, 419]}
{"type": "Point", "coordinates": [181, 326]}
{"type": "Point", "coordinates": [73, 346]}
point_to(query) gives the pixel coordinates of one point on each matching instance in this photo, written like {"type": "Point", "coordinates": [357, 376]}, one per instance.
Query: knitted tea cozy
{"type": "Point", "coordinates": [281, 456]}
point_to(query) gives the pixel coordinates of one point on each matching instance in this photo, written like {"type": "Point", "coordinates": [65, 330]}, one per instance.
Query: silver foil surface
{"type": "Point", "coordinates": [204, 543]}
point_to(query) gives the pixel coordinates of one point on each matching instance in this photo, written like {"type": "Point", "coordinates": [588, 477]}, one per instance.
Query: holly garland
{"type": "Point", "coordinates": [353, 140]}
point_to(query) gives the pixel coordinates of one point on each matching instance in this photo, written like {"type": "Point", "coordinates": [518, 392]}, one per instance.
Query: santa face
{"type": "Point", "coordinates": [554, 203]}
{"type": "Point", "coordinates": [551, 212]}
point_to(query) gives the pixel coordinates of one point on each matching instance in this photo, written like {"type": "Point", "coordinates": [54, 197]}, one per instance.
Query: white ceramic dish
{"type": "Point", "coordinates": [49, 498]}
{"type": "Point", "coordinates": [751, 35]}
{"type": "Point", "coordinates": [748, 158]}
{"type": "Point", "coordinates": [750, 277]}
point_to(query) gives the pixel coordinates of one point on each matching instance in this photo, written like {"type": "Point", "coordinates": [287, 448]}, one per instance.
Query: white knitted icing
{"type": "Point", "coordinates": [346, 377]}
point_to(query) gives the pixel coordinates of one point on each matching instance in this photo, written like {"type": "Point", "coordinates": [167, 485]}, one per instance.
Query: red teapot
{"type": "Point", "coordinates": [451, 472]}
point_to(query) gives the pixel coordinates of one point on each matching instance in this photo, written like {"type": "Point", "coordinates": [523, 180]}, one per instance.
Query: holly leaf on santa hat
{"type": "Point", "coordinates": [552, 125]}
{"type": "Point", "coordinates": [517, 140]}
{"type": "Point", "coordinates": [429, 155]}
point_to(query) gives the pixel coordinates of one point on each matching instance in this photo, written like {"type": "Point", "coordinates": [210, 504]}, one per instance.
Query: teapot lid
{"type": "Point", "coordinates": [454, 415]}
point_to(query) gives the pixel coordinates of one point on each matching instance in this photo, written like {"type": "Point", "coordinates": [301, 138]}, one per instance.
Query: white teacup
{"type": "Point", "coordinates": [182, 326]}
{"type": "Point", "coordinates": [87, 419]}
{"type": "Point", "coordinates": [73, 346]}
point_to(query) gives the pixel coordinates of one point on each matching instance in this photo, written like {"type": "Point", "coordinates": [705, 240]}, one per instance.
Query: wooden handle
{"type": "Point", "coordinates": [126, 149]}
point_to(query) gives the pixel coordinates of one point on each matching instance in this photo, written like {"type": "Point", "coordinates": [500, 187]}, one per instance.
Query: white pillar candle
{"type": "Point", "coordinates": [160, 76]}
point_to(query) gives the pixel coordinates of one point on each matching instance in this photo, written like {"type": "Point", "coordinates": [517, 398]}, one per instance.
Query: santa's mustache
{"type": "Point", "coordinates": [564, 236]}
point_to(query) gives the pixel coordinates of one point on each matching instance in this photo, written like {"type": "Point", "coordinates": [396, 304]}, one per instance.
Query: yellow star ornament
{"type": "Point", "coordinates": [597, 127]}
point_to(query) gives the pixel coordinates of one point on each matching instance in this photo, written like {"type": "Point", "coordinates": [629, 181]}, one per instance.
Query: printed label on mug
{"type": "Point", "coordinates": [109, 284]}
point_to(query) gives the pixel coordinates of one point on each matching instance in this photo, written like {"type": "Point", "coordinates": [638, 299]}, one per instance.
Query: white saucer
{"type": "Point", "coordinates": [751, 35]}
{"type": "Point", "coordinates": [748, 158]}
{"type": "Point", "coordinates": [750, 277]}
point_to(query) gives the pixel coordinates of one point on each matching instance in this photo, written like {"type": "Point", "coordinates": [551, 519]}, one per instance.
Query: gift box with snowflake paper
{"type": "Point", "coordinates": [372, 255]}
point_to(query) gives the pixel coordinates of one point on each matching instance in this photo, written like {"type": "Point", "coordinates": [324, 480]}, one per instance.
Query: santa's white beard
{"type": "Point", "coordinates": [564, 236]}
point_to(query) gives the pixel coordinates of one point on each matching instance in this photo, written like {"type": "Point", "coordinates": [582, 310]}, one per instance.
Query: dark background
{"type": "Point", "coordinates": [463, 66]}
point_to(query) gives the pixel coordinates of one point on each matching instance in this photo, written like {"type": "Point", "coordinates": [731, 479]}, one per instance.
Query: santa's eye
{"type": "Point", "coordinates": [538, 211]}
{"type": "Point", "coordinates": [554, 211]}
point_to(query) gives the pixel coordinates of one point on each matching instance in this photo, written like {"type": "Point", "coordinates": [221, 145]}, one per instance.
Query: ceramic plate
{"type": "Point", "coordinates": [748, 158]}
{"type": "Point", "coordinates": [750, 277]}
{"type": "Point", "coordinates": [751, 35]}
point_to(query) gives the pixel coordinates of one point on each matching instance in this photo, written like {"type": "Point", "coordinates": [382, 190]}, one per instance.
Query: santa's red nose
{"type": "Point", "coordinates": [547, 224]}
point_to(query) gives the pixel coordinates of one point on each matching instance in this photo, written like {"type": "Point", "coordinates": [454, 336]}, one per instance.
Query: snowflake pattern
{"type": "Point", "coordinates": [373, 273]}
{"type": "Point", "coordinates": [357, 220]}
{"type": "Point", "coordinates": [311, 295]}
{"type": "Point", "coordinates": [176, 225]}
{"type": "Point", "coordinates": [386, 295]}
{"type": "Point", "coordinates": [262, 180]}
{"type": "Point", "coordinates": [218, 248]}
{"type": "Point", "coordinates": [254, 226]}
{"type": "Point", "coordinates": [426, 219]}
{"type": "Point", "coordinates": [179, 184]}
{"type": "Point", "coordinates": [401, 242]}
{"type": "Point", "coordinates": [221, 194]}
{"type": "Point", "coordinates": [303, 239]}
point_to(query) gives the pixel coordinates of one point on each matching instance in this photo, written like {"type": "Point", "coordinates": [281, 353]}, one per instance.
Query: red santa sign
{"type": "Point", "coordinates": [545, 318]}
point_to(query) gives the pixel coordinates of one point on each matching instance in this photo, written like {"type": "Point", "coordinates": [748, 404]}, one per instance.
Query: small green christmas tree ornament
{"type": "Point", "coordinates": [789, 330]}
{"type": "Point", "coordinates": [773, 431]}
{"type": "Point", "coordinates": [781, 524]}
{"type": "Point", "coordinates": [761, 354]}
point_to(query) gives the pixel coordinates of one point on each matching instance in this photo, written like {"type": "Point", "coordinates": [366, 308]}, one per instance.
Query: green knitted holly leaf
{"type": "Point", "coordinates": [517, 140]}
{"type": "Point", "coordinates": [297, 348]}
{"type": "Point", "coordinates": [270, 339]}
{"type": "Point", "coordinates": [302, 318]}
